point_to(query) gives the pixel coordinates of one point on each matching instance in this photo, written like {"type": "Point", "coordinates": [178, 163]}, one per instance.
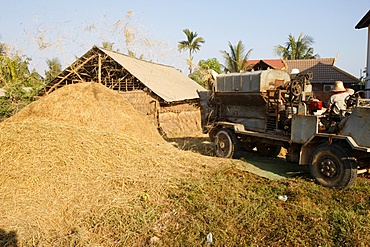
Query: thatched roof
{"type": "Point", "coordinates": [125, 73]}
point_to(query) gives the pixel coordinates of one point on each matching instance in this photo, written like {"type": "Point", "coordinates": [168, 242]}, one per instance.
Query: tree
{"type": "Point", "coordinates": [20, 84]}
{"type": "Point", "coordinates": [2, 49]}
{"type": "Point", "coordinates": [107, 45]}
{"type": "Point", "coordinates": [203, 72]}
{"type": "Point", "coordinates": [133, 54]}
{"type": "Point", "coordinates": [193, 44]}
{"type": "Point", "coordinates": [235, 61]}
{"type": "Point", "coordinates": [297, 49]}
{"type": "Point", "coordinates": [55, 68]}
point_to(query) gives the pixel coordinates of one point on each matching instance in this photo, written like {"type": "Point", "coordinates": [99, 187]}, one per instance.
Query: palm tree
{"type": "Point", "coordinates": [236, 60]}
{"type": "Point", "coordinates": [193, 44]}
{"type": "Point", "coordinates": [297, 49]}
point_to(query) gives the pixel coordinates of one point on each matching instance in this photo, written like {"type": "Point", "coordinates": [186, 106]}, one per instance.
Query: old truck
{"type": "Point", "coordinates": [270, 109]}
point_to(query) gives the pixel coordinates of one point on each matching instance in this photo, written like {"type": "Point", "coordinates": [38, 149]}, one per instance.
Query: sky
{"type": "Point", "coordinates": [44, 29]}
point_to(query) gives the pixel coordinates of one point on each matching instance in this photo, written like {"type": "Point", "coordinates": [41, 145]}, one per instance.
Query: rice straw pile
{"type": "Point", "coordinates": [77, 152]}
{"type": "Point", "coordinates": [91, 105]}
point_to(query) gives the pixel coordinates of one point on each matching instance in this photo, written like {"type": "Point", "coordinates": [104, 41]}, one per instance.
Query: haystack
{"type": "Point", "coordinates": [90, 105]}
{"type": "Point", "coordinates": [77, 153]}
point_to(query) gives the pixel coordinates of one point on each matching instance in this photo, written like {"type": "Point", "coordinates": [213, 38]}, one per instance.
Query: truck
{"type": "Point", "coordinates": [264, 111]}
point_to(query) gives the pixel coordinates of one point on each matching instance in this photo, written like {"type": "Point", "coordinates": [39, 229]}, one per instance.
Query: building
{"type": "Point", "coordinates": [162, 92]}
{"type": "Point", "coordinates": [267, 64]}
{"type": "Point", "coordinates": [325, 73]}
{"type": "Point", "coordinates": [365, 23]}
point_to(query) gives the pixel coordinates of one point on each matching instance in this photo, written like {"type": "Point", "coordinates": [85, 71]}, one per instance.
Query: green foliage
{"type": "Point", "coordinates": [20, 84]}
{"type": "Point", "coordinates": [2, 49]}
{"type": "Point", "coordinates": [202, 73]}
{"type": "Point", "coordinates": [55, 68]}
{"type": "Point", "coordinates": [192, 43]}
{"type": "Point", "coordinates": [211, 63]}
{"type": "Point", "coordinates": [235, 61]}
{"type": "Point", "coordinates": [297, 49]}
{"type": "Point", "coordinates": [107, 45]}
{"type": "Point", "coordinates": [133, 54]}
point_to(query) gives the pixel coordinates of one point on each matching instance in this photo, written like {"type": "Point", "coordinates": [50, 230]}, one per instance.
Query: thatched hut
{"type": "Point", "coordinates": [167, 96]}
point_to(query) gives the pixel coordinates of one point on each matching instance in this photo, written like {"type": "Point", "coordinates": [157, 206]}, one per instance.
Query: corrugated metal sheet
{"type": "Point", "coordinates": [165, 81]}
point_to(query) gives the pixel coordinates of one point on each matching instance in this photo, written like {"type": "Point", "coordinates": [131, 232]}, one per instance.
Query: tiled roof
{"type": "Point", "coordinates": [305, 64]}
{"type": "Point", "coordinates": [274, 63]}
{"type": "Point", "coordinates": [323, 69]}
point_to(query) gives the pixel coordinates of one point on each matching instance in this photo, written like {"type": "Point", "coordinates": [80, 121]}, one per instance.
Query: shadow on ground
{"type": "Point", "coordinates": [8, 239]}
{"type": "Point", "coordinates": [272, 168]}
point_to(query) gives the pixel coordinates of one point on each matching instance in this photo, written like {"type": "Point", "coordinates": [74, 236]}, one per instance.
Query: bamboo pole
{"type": "Point", "coordinates": [70, 73]}
{"type": "Point", "coordinates": [99, 69]}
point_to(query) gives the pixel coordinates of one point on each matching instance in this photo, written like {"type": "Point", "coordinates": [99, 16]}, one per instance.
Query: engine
{"type": "Point", "coordinates": [262, 101]}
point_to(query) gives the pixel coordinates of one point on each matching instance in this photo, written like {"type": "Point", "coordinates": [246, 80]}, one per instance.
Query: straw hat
{"type": "Point", "coordinates": [338, 87]}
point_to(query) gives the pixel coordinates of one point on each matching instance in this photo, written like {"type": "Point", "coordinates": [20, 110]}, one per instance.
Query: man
{"type": "Point", "coordinates": [337, 100]}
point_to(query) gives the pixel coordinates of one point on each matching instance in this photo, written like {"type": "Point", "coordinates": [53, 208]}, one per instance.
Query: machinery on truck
{"type": "Point", "coordinates": [270, 109]}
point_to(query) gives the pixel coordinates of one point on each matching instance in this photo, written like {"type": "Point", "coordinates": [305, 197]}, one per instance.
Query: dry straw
{"type": "Point", "coordinates": [78, 152]}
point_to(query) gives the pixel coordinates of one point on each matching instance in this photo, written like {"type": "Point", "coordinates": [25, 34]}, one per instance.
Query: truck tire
{"type": "Point", "coordinates": [268, 150]}
{"type": "Point", "coordinates": [330, 166]}
{"type": "Point", "coordinates": [226, 144]}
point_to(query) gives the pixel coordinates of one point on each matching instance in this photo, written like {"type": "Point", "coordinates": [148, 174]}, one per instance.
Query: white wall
{"type": "Point", "coordinates": [367, 78]}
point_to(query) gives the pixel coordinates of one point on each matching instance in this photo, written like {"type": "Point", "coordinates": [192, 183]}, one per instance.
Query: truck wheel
{"type": "Point", "coordinates": [226, 144]}
{"type": "Point", "coordinates": [330, 166]}
{"type": "Point", "coordinates": [268, 150]}
{"type": "Point", "coordinates": [212, 134]}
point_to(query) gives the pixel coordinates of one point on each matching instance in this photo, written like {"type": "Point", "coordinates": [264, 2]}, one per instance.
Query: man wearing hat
{"type": "Point", "coordinates": [339, 96]}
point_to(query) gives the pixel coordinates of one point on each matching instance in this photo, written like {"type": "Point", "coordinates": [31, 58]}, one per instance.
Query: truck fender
{"type": "Point", "coordinates": [308, 148]}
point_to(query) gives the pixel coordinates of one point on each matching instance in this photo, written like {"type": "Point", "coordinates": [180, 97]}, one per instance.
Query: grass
{"type": "Point", "coordinates": [241, 209]}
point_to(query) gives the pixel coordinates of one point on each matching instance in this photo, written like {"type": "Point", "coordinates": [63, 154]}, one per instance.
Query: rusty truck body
{"type": "Point", "coordinates": [269, 109]}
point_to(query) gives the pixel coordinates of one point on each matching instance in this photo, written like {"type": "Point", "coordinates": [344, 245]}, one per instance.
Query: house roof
{"type": "Point", "coordinates": [166, 82]}
{"type": "Point", "coordinates": [364, 22]}
{"type": "Point", "coordinates": [274, 63]}
{"type": "Point", "coordinates": [323, 69]}
{"type": "Point", "coordinates": [305, 64]}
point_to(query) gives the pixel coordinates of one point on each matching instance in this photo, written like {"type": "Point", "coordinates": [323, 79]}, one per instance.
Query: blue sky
{"type": "Point", "coordinates": [43, 29]}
